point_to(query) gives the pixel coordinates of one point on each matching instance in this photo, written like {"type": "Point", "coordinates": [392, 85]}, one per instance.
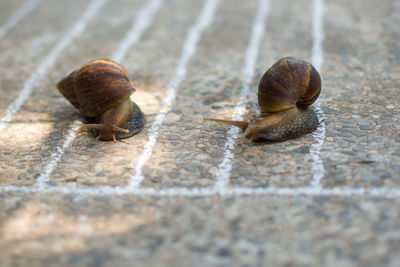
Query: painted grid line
{"type": "Point", "coordinates": [44, 177]}
{"type": "Point", "coordinates": [49, 61]}
{"type": "Point", "coordinates": [317, 58]}
{"type": "Point", "coordinates": [384, 192]}
{"type": "Point", "coordinates": [257, 33]}
{"type": "Point", "coordinates": [18, 15]}
{"type": "Point", "coordinates": [313, 190]}
{"type": "Point", "coordinates": [317, 31]}
{"type": "Point", "coordinates": [139, 25]}
{"type": "Point", "coordinates": [189, 49]}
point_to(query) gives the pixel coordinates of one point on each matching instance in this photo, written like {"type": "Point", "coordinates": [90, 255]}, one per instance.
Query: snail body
{"type": "Point", "coordinates": [101, 91]}
{"type": "Point", "coordinates": [285, 92]}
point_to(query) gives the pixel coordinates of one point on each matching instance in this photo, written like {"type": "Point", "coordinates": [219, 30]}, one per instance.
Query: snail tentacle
{"type": "Point", "coordinates": [241, 124]}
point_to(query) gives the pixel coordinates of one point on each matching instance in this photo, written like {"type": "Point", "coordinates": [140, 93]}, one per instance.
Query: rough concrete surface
{"type": "Point", "coordinates": [327, 199]}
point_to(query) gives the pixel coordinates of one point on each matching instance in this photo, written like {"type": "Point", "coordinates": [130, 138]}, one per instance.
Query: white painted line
{"type": "Point", "coordinates": [385, 193]}
{"type": "Point", "coordinates": [317, 31]}
{"type": "Point", "coordinates": [189, 49]}
{"type": "Point", "coordinates": [49, 61]}
{"type": "Point", "coordinates": [277, 191]}
{"type": "Point", "coordinates": [317, 167]}
{"type": "Point", "coordinates": [139, 25]}
{"type": "Point", "coordinates": [257, 33]}
{"type": "Point", "coordinates": [43, 178]}
{"type": "Point", "coordinates": [18, 15]}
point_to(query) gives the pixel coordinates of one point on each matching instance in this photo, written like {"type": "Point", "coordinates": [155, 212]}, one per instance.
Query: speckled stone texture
{"type": "Point", "coordinates": [359, 107]}
{"type": "Point", "coordinates": [247, 231]}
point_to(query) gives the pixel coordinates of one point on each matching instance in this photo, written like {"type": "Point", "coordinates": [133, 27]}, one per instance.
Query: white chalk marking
{"type": "Point", "coordinates": [317, 32]}
{"type": "Point", "coordinates": [49, 61]}
{"type": "Point", "coordinates": [140, 24]}
{"type": "Point", "coordinates": [385, 193]}
{"type": "Point", "coordinates": [317, 167]}
{"type": "Point", "coordinates": [189, 49]}
{"type": "Point", "coordinates": [43, 178]}
{"type": "Point", "coordinates": [18, 15]}
{"type": "Point", "coordinates": [257, 33]}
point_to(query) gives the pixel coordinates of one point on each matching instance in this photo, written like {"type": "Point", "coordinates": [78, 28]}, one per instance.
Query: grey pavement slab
{"type": "Point", "coordinates": [274, 210]}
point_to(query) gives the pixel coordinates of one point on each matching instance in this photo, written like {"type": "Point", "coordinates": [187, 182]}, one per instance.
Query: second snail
{"type": "Point", "coordinates": [101, 91]}
{"type": "Point", "coordinates": [285, 92]}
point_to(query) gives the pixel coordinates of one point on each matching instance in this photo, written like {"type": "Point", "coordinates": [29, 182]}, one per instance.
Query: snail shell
{"type": "Point", "coordinates": [285, 92]}
{"type": "Point", "coordinates": [101, 91]}
{"type": "Point", "coordinates": [289, 82]}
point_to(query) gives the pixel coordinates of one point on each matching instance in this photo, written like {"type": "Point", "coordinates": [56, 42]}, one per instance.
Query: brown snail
{"type": "Point", "coordinates": [285, 92]}
{"type": "Point", "coordinates": [101, 91]}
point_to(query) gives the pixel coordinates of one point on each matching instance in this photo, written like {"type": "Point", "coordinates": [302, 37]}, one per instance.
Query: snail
{"type": "Point", "coordinates": [285, 92]}
{"type": "Point", "coordinates": [101, 91]}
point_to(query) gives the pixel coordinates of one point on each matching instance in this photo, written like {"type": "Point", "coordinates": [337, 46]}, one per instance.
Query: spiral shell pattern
{"type": "Point", "coordinates": [288, 83]}
{"type": "Point", "coordinates": [96, 87]}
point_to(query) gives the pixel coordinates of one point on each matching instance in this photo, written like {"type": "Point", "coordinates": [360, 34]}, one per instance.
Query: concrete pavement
{"type": "Point", "coordinates": [325, 199]}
